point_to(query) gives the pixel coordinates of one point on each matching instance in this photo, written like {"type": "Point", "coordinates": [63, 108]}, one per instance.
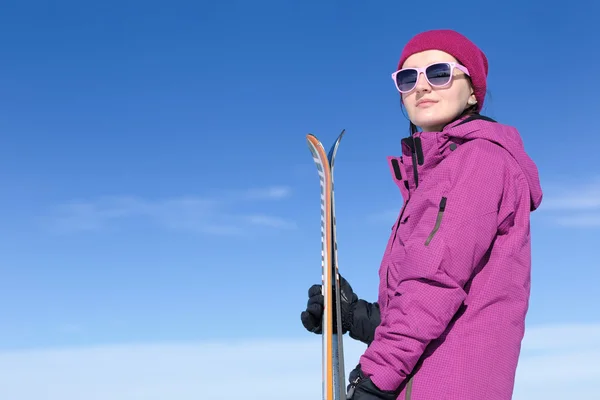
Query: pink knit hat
{"type": "Point", "coordinates": [461, 48]}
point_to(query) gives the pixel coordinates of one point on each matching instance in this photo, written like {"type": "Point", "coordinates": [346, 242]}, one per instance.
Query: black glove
{"type": "Point", "coordinates": [312, 317]}
{"type": "Point", "coordinates": [359, 317]}
{"type": "Point", "coordinates": [362, 387]}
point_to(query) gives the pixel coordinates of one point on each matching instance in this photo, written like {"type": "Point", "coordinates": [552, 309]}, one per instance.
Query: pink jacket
{"type": "Point", "coordinates": [455, 276]}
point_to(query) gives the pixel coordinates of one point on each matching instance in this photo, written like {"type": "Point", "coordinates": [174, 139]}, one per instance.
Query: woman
{"type": "Point", "coordinates": [455, 276]}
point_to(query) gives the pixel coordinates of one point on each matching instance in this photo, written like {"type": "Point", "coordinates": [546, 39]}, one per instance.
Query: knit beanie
{"type": "Point", "coordinates": [461, 48]}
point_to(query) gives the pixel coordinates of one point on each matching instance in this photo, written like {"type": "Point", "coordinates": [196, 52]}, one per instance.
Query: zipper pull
{"type": "Point", "coordinates": [352, 387]}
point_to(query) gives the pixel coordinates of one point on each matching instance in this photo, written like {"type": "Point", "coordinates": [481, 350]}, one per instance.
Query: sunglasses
{"type": "Point", "coordinates": [438, 74]}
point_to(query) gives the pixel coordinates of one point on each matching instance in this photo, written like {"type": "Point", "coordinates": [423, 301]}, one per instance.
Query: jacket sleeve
{"type": "Point", "coordinates": [365, 319]}
{"type": "Point", "coordinates": [458, 225]}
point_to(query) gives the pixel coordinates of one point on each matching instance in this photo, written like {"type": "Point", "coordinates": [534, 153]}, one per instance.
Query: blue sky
{"type": "Point", "coordinates": [158, 189]}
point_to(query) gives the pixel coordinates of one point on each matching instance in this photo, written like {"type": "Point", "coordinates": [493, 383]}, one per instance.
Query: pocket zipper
{"type": "Point", "coordinates": [438, 221]}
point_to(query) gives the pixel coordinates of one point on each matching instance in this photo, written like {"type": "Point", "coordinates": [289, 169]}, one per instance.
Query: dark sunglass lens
{"type": "Point", "coordinates": [406, 79]}
{"type": "Point", "coordinates": [438, 74]}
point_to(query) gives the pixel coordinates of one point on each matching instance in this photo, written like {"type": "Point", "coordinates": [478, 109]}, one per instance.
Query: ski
{"type": "Point", "coordinates": [332, 342]}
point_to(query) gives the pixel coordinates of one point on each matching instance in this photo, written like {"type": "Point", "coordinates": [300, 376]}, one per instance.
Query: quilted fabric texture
{"type": "Point", "coordinates": [455, 275]}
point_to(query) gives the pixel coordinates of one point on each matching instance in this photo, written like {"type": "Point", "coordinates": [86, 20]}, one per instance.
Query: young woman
{"type": "Point", "coordinates": [455, 275]}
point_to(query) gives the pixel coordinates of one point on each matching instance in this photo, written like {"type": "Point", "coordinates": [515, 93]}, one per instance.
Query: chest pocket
{"type": "Point", "coordinates": [405, 226]}
{"type": "Point", "coordinates": [422, 220]}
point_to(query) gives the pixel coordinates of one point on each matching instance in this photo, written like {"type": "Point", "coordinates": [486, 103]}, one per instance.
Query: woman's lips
{"type": "Point", "coordinates": [425, 103]}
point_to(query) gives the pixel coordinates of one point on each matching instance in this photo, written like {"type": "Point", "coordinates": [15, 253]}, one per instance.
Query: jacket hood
{"type": "Point", "coordinates": [480, 127]}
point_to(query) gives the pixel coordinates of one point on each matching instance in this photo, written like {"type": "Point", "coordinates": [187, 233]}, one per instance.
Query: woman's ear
{"type": "Point", "coordinates": [472, 100]}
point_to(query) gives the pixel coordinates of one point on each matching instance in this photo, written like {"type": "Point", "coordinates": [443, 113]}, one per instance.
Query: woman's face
{"type": "Point", "coordinates": [431, 107]}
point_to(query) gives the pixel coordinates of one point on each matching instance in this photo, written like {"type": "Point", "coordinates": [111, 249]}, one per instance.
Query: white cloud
{"type": "Point", "coordinates": [192, 213]}
{"type": "Point", "coordinates": [96, 214]}
{"type": "Point", "coordinates": [269, 221]}
{"type": "Point", "coordinates": [273, 193]}
{"type": "Point", "coordinates": [589, 220]}
{"type": "Point", "coordinates": [573, 205]}
{"type": "Point", "coordinates": [557, 362]}
{"type": "Point", "coordinates": [562, 337]}
{"type": "Point", "coordinates": [266, 370]}
{"type": "Point", "coordinates": [580, 197]}
{"type": "Point", "coordinates": [560, 361]}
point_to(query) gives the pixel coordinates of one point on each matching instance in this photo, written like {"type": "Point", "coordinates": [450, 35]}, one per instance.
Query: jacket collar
{"type": "Point", "coordinates": [425, 150]}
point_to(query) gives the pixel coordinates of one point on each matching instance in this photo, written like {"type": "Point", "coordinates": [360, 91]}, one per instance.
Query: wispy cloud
{"type": "Point", "coordinates": [584, 220]}
{"type": "Point", "coordinates": [557, 362]}
{"type": "Point", "coordinates": [581, 197]}
{"type": "Point", "coordinates": [573, 205]}
{"type": "Point", "coordinates": [209, 215]}
{"type": "Point", "coordinates": [271, 193]}
{"type": "Point", "coordinates": [562, 337]}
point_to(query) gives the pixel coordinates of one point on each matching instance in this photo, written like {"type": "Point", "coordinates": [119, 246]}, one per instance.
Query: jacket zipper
{"type": "Point", "coordinates": [387, 271]}
{"type": "Point", "coordinates": [409, 388]}
{"type": "Point", "coordinates": [438, 220]}
{"type": "Point", "coordinates": [352, 387]}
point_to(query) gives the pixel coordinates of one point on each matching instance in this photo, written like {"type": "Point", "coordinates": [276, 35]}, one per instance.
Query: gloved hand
{"type": "Point", "coordinates": [362, 387]}
{"type": "Point", "coordinates": [359, 317]}
{"type": "Point", "coordinates": [312, 316]}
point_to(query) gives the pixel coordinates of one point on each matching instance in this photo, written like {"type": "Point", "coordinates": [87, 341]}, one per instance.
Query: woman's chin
{"type": "Point", "coordinates": [431, 120]}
